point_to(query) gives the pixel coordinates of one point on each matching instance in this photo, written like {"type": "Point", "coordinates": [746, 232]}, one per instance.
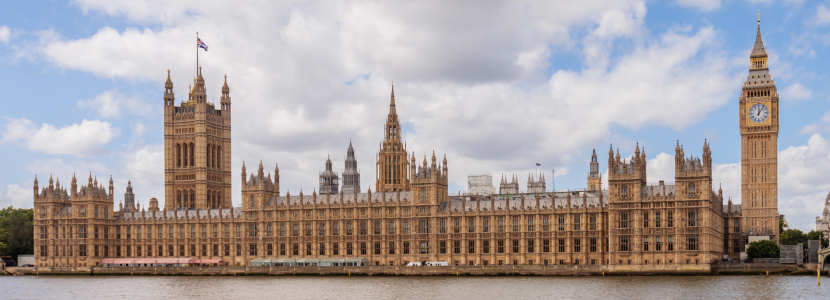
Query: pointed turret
{"type": "Point", "coordinates": [244, 173]}
{"type": "Point", "coordinates": [758, 49]}
{"type": "Point", "coordinates": [225, 99]}
{"type": "Point", "coordinates": [169, 96]}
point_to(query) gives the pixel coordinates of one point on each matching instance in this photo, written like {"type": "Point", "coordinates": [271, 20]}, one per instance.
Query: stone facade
{"type": "Point", "coordinates": [823, 222]}
{"type": "Point", "coordinates": [758, 110]}
{"type": "Point", "coordinates": [411, 216]}
{"type": "Point", "coordinates": [197, 149]}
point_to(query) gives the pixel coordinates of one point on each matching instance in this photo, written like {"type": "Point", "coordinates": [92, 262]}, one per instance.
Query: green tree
{"type": "Point", "coordinates": [16, 231]}
{"type": "Point", "coordinates": [763, 249]}
{"type": "Point", "coordinates": [818, 235]}
{"type": "Point", "coordinates": [792, 237]}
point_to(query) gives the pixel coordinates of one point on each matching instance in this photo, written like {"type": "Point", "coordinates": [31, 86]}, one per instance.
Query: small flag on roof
{"type": "Point", "coordinates": [201, 44]}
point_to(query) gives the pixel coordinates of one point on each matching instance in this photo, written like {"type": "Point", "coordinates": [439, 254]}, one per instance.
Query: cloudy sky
{"type": "Point", "coordinates": [497, 86]}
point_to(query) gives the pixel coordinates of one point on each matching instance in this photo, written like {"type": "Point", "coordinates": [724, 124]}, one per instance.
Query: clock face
{"type": "Point", "coordinates": [758, 113]}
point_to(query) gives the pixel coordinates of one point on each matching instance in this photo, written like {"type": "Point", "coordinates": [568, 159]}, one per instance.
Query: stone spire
{"type": "Point", "coordinates": [392, 110]}
{"type": "Point", "coordinates": [169, 96]}
{"type": "Point", "coordinates": [329, 182]}
{"type": "Point", "coordinates": [758, 49]}
{"type": "Point", "coordinates": [351, 176]}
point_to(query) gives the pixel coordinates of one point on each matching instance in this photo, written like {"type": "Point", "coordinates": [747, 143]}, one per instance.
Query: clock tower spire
{"type": "Point", "coordinates": [758, 106]}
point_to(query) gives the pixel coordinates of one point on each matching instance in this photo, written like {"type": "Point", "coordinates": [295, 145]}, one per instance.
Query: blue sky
{"type": "Point", "coordinates": [498, 87]}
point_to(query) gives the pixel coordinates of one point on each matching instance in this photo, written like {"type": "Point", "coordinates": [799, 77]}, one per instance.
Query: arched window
{"type": "Point", "coordinates": [178, 199]}
{"type": "Point", "coordinates": [423, 195]}
{"type": "Point", "coordinates": [178, 155]}
{"type": "Point", "coordinates": [192, 152]}
{"type": "Point", "coordinates": [192, 199]}
{"type": "Point", "coordinates": [691, 189]}
{"type": "Point", "coordinates": [219, 157]}
{"type": "Point", "coordinates": [251, 202]}
{"type": "Point", "coordinates": [219, 200]}
{"type": "Point", "coordinates": [209, 155]}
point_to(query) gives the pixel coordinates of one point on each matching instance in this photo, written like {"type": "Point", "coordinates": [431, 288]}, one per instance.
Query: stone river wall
{"type": "Point", "coordinates": [509, 270]}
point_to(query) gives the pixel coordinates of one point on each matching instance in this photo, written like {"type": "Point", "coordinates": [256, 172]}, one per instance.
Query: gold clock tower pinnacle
{"type": "Point", "coordinates": [758, 123]}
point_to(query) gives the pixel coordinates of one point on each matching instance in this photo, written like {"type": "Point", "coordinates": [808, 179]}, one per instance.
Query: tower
{"type": "Point", "coordinates": [129, 197]}
{"type": "Point", "coordinates": [329, 182]}
{"type": "Point", "coordinates": [758, 124]}
{"type": "Point", "coordinates": [594, 176]}
{"type": "Point", "coordinates": [392, 167]}
{"type": "Point", "coordinates": [351, 176]}
{"type": "Point", "coordinates": [197, 148]}
{"type": "Point", "coordinates": [536, 185]}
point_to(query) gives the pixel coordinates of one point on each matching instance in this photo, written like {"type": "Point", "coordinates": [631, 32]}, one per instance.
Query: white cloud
{"type": "Point", "coordinates": [728, 178]}
{"type": "Point", "coordinates": [822, 16]}
{"type": "Point", "coordinates": [322, 77]}
{"type": "Point", "coordinates": [5, 34]}
{"type": "Point", "coordinates": [145, 168]}
{"type": "Point", "coordinates": [661, 167]}
{"type": "Point", "coordinates": [704, 5]}
{"type": "Point", "coordinates": [17, 197]}
{"type": "Point", "coordinates": [802, 181]}
{"type": "Point", "coordinates": [80, 140]}
{"type": "Point", "coordinates": [796, 92]}
{"type": "Point", "coordinates": [110, 104]}
{"type": "Point", "coordinates": [44, 168]}
{"type": "Point", "coordinates": [823, 125]}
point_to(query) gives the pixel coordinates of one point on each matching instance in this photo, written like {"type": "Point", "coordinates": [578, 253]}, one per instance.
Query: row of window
{"type": "Point", "coordinates": [444, 247]}
{"type": "Point", "coordinates": [362, 228]}
{"type": "Point", "coordinates": [81, 210]}
{"type": "Point", "coordinates": [625, 219]}
{"type": "Point", "coordinates": [656, 244]}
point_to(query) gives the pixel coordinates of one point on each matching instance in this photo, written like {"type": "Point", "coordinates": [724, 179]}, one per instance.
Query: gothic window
{"type": "Point", "coordinates": [219, 157]}
{"type": "Point", "coordinates": [624, 243]}
{"type": "Point", "coordinates": [192, 199]}
{"type": "Point", "coordinates": [423, 195]}
{"type": "Point", "coordinates": [657, 219]}
{"type": "Point", "coordinates": [625, 221]}
{"type": "Point", "coordinates": [192, 154]}
{"type": "Point", "coordinates": [251, 202]}
{"type": "Point", "coordinates": [691, 190]}
{"type": "Point", "coordinates": [424, 228]}
{"type": "Point", "coordinates": [178, 198]}
{"type": "Point", "coordinates": [691, 218]}
{"type": "Point", "coordinates": [178, 155]}
{"type": "Point", "coordinates": [691, 242]}
{"type": "Point", "coordinates": [208, 153]}
{"type": "Point", "coordinates": [442, 226]}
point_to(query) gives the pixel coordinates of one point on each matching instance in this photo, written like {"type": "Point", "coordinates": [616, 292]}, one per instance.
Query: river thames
{"type": "Point", "coordinates": [634, 287]}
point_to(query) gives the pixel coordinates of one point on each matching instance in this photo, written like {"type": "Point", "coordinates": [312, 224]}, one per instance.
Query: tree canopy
{"type": "Point", "coordinates": [16, 231]}
{"type": "Point", "coordinates": [763, 249]}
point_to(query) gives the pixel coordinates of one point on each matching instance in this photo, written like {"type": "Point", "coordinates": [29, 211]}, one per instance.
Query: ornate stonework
{"type": "Point", "coordinates": [758, 110]}
{"type": "Point", "coordinates": [411, 216]}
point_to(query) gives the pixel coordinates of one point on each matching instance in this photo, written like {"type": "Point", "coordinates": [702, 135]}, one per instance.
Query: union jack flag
{"type": "Point", "coordinates": [201, 44]}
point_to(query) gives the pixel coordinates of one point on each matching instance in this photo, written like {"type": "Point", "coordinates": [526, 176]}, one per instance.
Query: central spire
{"type": "Point", "coordinates": [392, 111]}
{"type": "Point", "coordinates": [758, 49]}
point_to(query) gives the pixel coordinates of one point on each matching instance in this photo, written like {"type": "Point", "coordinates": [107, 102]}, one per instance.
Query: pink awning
{"type": "Point", "coordinates": [210, 261]}
{"type": "Point", "coordinates": [127, 261]}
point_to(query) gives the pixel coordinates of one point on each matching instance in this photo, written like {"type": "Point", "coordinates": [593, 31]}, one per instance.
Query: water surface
{"type": "Point", "coordinates": [507, 287]}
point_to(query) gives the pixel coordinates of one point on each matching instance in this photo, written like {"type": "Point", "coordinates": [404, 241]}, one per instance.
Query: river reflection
{"type": "Point", "coordinates": [634, 287]}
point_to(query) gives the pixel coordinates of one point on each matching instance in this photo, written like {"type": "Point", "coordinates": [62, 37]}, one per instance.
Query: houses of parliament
{"type": "Point", "coordinates": [410, 216]}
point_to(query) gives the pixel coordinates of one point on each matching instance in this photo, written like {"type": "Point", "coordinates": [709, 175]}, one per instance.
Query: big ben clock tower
{"type": "Point", "coordinates": [758, 111]}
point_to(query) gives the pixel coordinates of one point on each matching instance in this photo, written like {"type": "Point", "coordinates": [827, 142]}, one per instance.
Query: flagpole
{"type": "Point", "coordinates": [197, 54]}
